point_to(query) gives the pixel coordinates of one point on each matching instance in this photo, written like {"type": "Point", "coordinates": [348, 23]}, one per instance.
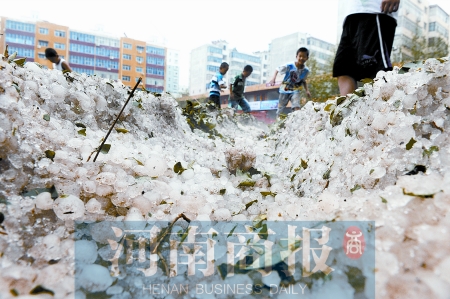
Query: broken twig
{"type": "Point", "coordinates": [117, 118]}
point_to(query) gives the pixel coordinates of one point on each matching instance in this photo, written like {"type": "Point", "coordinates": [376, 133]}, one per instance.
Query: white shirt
{"type": "Point", "coordinates": [59, 65]}
{"type": "Point", "coordinates": [363, 6]}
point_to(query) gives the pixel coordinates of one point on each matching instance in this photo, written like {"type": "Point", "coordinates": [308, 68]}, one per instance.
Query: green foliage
{"type": "Point", "coordinates": [410, 144]}
{"type": "Point", "coordinates": [46, 117]}
{"type": "Point", "coordinates": [197, 117]}
{"type": "Point", "coordinates": [428, 152]}
{"type": "Point", "coordinates": [178, 168]}
{"type": "Point", "coordinates": [50, 154]}
{"type": "Point", "coordinates": [121, 130]}
{"type": "Point", "coordinates": [105, 148]}
{"type": "Point", "coordinates": [421, 48]}
{"type": "Point", "coordinates": [321, 83]}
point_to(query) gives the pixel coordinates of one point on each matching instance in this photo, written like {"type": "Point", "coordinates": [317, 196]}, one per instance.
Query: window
{"type": "Point", "coordinates": [155, 50]}
{"type": "Point", "coordinates": [139, 69]}
{"type": "Point", "coordinates": [41, 55]}
{"type": "Point", "coordinates": [82, 60]}
{"type": "Point", "coordinates": [140, 49]}
{"type": "Point", "coordinates": [139, 59]}
{"type": "Point", "coordinates": [136, 79]}
{"type": "Point", "coordinates": [153, 81]}
{"type": "Point", "coordinates": [212, 68]}
{"type": "Point", "coordinates": [60, 33]}
{"type": "Point", "coordinates": [106, 52]}
{"type": "Point", "coordinates": [126, 56]}
{"type": "Point", "coordinates": [43, 43]}
{"type": "Point", "coordinates": [432, 41]}
{"type": "Point", "coordinates": [19, 26]}
{"type": "Point", "coordinates": [126, 78]}
{"type": "Point", "coordinates": [432, 26]}
{"type": "Point", "coordinates": [243, 56]}
{"type": "Point", "coordinates": [19, 39]}
{"type": "Point", "coordinates": [126, 67]}
{"type": "Point", "coordinates": [21, 52]}
{"type": "Point", "coordinates": [111, 42]}
{"type": "Point", "coordinates": [127, 46]}
{"type": "Point", "coordinates": [60, 46]}
{"type": "Point", "coordinates": [214, 50]}
{"type": "Point", "coordinates": [155, 71]}
{"type": "Point", "coordinates": [82, 37]}
{"type": "Point", "coordinates": [81, 48]}
{"type": "Point", "coordinates": [155, 60]}
{"type": "Point", "coordinates": [82, 70]}
{"type": "Point", "coordinates": [43, 30]}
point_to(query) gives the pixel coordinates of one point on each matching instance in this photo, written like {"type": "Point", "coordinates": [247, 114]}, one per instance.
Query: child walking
{"type": "Point", "coordinates": [217, 84]}
{"type": "Point", "coordinates": [237, 87]}
{"type": "Point", "coordinates": [295, 75]}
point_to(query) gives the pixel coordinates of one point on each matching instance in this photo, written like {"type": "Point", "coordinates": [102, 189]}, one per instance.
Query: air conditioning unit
{"type": "Point", "coordinates": [139, 51]}
{"type": "Point", "coordinates": [109, 69]}
{"type": "Point", "coordinates": [39, 46]}
{"type": "Point", "coordinates": [111, 57]}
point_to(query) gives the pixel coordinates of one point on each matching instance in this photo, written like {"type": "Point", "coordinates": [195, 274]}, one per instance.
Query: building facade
{"type": "Point", "coordinates": [265, 61]}
{"type": "Point", "coordinates": [107, 56]}
{"type": "Point", "coordinates": [438, 25]}
{"type": "Point", "coordinates": [205, 62]}
{"type": "Point", "coordinates": [173, 72]}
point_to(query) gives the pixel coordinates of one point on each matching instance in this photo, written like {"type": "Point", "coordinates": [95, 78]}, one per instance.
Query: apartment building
{"type": "Point", "coordinates": [438, 24]}
{"type": "Point", "coordinates": [173, 72]}
{"type": "Point", "coordinates": [93, 54]}
{"type": "Point", "coordinates": [96, 53]}
{"type": "Point", "coordinates": [205, 62]}
{"type": "Point", "coordinates": [264, 56]}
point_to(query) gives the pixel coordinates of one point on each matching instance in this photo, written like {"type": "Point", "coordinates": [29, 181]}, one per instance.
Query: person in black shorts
{"type": "Point", "coordinates": [366, 42]}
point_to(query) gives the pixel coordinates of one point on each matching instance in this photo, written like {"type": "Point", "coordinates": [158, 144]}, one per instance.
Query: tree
{"type": "Point", "coordinates": [321, 83]}
{"type": "Point", "coordinates": [422, 48]}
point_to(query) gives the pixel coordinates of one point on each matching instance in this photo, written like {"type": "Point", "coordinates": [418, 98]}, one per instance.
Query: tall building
{"type": "Point", "coordinates": [438, 24]}
{"type": "Point", "coordinates": [264, 56]}
{"type": "Point", "coordinates": [173, 72]}
{"type": "Point", "coordinates": [91, 53]}
{"type": "Point", "coordinates": [283, 50]}
{"type": "Point", "coordinates": [414, 17]}
{"type": "Point", "coordinates": [206, 60]}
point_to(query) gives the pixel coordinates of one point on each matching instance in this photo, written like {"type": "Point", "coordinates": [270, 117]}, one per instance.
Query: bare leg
{"type": "Point", "coordinates": [346, 85]}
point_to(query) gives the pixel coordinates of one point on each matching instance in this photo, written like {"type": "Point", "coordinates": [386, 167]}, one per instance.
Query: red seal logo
{"type": "Point", "coordinates": [354, 242]}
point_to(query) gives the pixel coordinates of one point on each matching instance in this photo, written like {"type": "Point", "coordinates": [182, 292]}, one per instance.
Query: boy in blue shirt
{"type": "Point", "coordinates": [295, 75]}
{"type": "Point", "coordinates": [216, 85]}
{"type": "Point", "coordinates": [237, 87]}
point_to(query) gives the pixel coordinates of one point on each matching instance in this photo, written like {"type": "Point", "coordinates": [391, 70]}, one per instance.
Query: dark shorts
{"type": "Point", "coordinates": [360, 54]}
{"type": "Point", "coordinates": [215, 99]}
